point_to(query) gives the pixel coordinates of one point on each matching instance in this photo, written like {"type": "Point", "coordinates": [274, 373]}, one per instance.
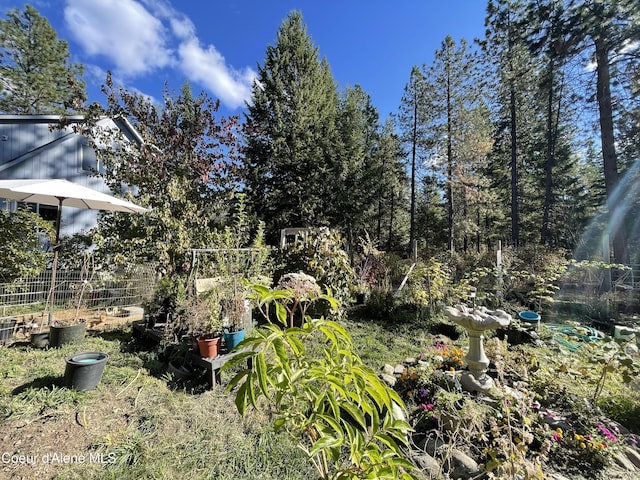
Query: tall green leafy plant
{"type": "Point", "coordinates": [183, 166]}
{"type": "Point", "coordinates": [21, 239]}
{"type": "Point", "coordinates": [322, 257]}
{"type": "Point", "coordinates": [349, 423]}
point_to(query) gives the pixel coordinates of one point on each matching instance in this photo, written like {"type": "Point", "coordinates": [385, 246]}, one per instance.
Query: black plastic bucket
{"type": "Point", "coordinates": [60, 335]}
{"type": "Point", "coordinates": [84, 370]}
{"type": "Point", "coordinates": [40, 340]}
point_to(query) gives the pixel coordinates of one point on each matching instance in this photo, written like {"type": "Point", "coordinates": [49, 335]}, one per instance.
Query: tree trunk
{"type": "Point", "coordinates": [515, 213]}
{"type": "Point", "coordinates": [545, 234]}
{"type": "Point", "coordinates": [412, 232]}
{"type": "Point", "coordinates": [610, 163]}
{"type": "Point", "coordinates": [449, 168]}
{"type": "Point", "coordinates": [393, 197]}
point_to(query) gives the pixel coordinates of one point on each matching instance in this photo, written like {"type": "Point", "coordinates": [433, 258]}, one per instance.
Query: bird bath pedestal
{"type": "Point", "coordinates": [475, 321]}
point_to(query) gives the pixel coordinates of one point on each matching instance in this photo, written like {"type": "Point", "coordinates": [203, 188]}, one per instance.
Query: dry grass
{"type": "Point", "coordinates": [134, 422]}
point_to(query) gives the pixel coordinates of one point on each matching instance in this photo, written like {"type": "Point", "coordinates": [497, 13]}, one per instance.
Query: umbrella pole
{"type": "Point", "coordinates": [54, 265]}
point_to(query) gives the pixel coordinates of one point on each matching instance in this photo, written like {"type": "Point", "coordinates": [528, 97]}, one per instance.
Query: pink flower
{"type": "Point", "coordinates": [557, 437]}
{"type": "Point", "coordinates": [607, 433]}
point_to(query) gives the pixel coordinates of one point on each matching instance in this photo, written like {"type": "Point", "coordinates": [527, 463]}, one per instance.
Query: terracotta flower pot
{"type": "Point", "coordinates": [209, 346]}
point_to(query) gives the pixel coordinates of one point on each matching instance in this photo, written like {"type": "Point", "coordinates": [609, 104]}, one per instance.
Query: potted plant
{"type": "Point", "coordinates": [177, 369]}
{"type": "Point", "coordinates": [72, 330]}
{"type": "Point", "coordinates": [198, 318]}
{"type": "Point", "coordinates": [235, 309]}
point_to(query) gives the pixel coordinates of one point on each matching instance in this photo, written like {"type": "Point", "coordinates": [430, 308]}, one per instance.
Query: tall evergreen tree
{"type": "Point", "coordinates": [412, 120]}
{"type": "Point", "coordinates": [456, 133]}
{"type": "Point", "coordinates": [357, 168]}
{"type": "Point", "coordinates": [36, 74]}
{"type": "Point", "coordinates": [290, 132]}
{"type": "Point", "coordinates": [391, 190]}
{"type": "Point", "coordinates": [604, 28]}
{"type": "Point", "coordinates": [506, 51]}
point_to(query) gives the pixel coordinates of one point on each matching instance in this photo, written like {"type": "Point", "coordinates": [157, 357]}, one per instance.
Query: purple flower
{"type": "Point", "coordinates": [607, 433]}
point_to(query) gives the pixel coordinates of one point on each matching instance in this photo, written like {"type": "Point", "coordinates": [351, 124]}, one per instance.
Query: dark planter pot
{"type": "Point", "coordinates": [84, 370]}
{"type": "Point", "coordinates": [178, 373]}
{"type": "Point", "coordinates": [6, 330]}
{"type": "Point", "coordinates": [62, 335]}
{"type": "Point", "coordinates": [40, 340]}
{"type": "Point", "coordinates": [361, 298]}
{"type": "Point", "coordinates": [515, 336]}
{"type": "Point", "coordinates": [232, 339]}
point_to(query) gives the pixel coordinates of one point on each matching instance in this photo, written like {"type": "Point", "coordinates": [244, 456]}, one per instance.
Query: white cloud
{"type": "Point", "coordinates": [121, 31]}
{"type": "Point", "coordinates": [140, 37]}
{"type": "Point", "coordinates": [208, 67]}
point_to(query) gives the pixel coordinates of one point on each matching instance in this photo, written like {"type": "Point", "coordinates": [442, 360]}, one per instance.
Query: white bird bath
{"type": "Point", "coordinates": [475, 321]}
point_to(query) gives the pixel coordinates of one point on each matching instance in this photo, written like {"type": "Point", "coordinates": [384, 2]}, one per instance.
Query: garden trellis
{"type": "Point", "coordinates": [215, 266]}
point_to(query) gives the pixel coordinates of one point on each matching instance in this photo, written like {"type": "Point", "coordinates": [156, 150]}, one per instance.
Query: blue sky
{"type": "Point", "coordinates": [217, 45]}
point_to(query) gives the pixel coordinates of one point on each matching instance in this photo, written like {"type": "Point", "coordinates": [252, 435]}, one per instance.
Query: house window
{"type": "Point", "coordinates": [90, 162]}
{"type": "Point", "coordinates": [48, 212]}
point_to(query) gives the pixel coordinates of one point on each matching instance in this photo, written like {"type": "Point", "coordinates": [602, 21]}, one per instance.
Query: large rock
{"type": "Point", "coordinates": [623, 461]}
{"type": "Point", "coordinates": [389, 379]}
{"type": "Point", "coordinates": [399, 369]}
{"type": "Point", "coordinates": [428, 465]}
{"type": "Point", "coordinates": [388, 369]}
{"type": "Point", "coordinates": [633, 455]}
{"type": "Point", "coordinates": [462, 465]}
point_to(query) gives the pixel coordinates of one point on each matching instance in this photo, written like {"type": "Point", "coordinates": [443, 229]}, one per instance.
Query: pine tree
{"type": "Point", "coordinates": [412, 120]}
{"type": "Point", "coordinates": [290, 132]}
{"type": "Point", "coordinates": [459, 135]}
{"type": "Point", "coordinates": [391, 190]}
{"type": "Point", "coordinates": [36, 75]}
{"type": "Point", "coordinates": [513, 72]}
{"type": "Point", "coordinates": [357, 168]}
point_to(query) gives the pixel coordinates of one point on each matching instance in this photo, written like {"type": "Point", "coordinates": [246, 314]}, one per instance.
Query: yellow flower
{"type": "Point", "coordinates": [582, 445]}
{"type": "Point", "coordinates": [559, 431]}
{"type": "Point", "coordinates": [578, 437]}
{"type": "Point", "coordinates": [527, 421]}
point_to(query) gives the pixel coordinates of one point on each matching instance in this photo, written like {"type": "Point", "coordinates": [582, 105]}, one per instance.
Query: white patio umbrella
{"type": "Point", "coordinates": [61, 193]}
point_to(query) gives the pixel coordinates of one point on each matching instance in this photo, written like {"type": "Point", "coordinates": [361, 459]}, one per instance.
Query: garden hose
{"type": "Point", "coordinates": [582, 333]}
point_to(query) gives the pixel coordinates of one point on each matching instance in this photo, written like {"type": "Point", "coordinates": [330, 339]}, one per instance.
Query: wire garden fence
{"type": "Point", "coordinates": [110, 291]}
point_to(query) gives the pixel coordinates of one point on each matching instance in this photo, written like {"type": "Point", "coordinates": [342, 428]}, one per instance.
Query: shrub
{"type": "Point", "coordinates": [22, 234]}
{"type": "Point", "coordinates": [322, 257]}
{"type": "Point", "coordinates": [350, 424]}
